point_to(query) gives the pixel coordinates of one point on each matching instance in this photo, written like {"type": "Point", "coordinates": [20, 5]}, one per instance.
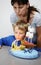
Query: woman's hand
{"type": "Point", "coordinates": [39, 41]}
{"type": "Point", "coordinates": [38, 29]}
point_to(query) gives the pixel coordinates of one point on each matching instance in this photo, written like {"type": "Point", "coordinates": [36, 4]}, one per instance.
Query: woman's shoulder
{"type": "Point", "coordinates": [37, 15]}
{"type": "Point", "coordinates": [37, 19]}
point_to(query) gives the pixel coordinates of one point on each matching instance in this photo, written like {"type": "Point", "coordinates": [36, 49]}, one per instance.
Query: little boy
{"type": "Point", "coordinates": [20, 29]}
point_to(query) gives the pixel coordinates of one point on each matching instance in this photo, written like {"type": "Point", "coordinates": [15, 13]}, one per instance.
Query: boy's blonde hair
{"type": "Point", "coordinates": [21, 25]}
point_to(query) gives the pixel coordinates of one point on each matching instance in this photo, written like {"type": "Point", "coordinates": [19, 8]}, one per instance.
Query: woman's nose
{"type": "Point", "coordinates": [17, 10]}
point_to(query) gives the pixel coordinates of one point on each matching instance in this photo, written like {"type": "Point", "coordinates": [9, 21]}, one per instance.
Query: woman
{"type": "Point", "coordinates": [28, 14]}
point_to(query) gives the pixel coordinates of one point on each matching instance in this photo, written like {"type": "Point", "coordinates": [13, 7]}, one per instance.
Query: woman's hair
{"type": "Point", "coordinates": [21, 25]}
{"type": "Point", "coordinates": [19, 2]}
{"type": "Point", "coordinates": [30, 9]}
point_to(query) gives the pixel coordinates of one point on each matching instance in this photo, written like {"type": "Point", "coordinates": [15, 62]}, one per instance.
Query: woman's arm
{"type": "Point", "coordinates": [38, 29]}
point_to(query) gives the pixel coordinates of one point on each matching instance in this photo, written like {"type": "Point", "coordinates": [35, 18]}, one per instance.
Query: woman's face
{"type": "Point", "coordinates": [19, 34]}
{"type": "Point", "coordinates": [21, 10]}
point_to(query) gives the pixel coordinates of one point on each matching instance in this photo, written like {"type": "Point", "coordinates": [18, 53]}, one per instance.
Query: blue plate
{"type": "Point", "coordinates": [25, 54]}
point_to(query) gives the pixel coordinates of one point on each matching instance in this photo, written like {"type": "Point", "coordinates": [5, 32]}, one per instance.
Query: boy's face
{"type": "Point", "coordinates": [19, 34]}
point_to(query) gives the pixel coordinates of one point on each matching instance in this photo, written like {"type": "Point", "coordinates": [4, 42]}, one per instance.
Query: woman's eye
{"type": "Point", "coordinates": [20, 7]}
{"type": "Point", "coordinates": [14, 7]}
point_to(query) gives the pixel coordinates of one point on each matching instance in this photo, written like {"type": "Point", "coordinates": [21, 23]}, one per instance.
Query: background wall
{"type": "Point", "coordinates": [5, 25]}
{"type": "Point", "coordinates": [5, 11]}
{"type": "Point", "coordinates": [36, 3]}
